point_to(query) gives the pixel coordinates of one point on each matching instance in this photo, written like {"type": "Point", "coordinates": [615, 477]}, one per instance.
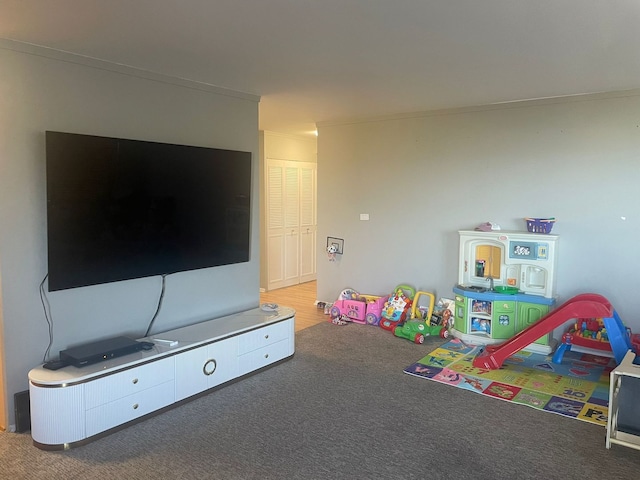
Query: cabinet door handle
{"type": "Point", "coordinates": [266, 336]}
{"type": "Point", "coordinates": [135, 406]}
{"type": "Point", "coordinates": [266, 355]}
{"type": "Point", "coordinates": [209, 367]}
{"type": "Point", "coordinates": [134, 381]}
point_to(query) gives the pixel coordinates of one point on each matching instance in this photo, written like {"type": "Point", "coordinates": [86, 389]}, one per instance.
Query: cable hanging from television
{"type": "Point", "coordinates": [47, 315]}
{"type": "Point", "coordinates": [155, 315]}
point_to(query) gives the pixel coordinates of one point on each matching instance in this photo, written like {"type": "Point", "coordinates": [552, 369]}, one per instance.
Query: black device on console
{"type": "Point", "coordinates": [55, 365]}
{"type": "Point", "coordinates": [101, 350]}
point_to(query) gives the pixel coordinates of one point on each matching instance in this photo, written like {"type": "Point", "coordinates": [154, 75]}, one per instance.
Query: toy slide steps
{"type": "Point", "coordinates": [586, 305]}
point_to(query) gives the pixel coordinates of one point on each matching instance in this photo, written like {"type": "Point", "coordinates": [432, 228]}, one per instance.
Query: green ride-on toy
{"type": "Point", "coordinates": [416, 331]}
{"type": "Point", "coordinates": [420, 325]}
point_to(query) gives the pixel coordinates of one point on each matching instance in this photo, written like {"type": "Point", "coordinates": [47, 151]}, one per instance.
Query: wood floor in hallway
{"type": "Point", "coordinates": [302, 299]}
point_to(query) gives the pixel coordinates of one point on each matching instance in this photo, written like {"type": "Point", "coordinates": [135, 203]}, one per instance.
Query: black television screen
{"type": "Point", "coordinates": [120, 209]}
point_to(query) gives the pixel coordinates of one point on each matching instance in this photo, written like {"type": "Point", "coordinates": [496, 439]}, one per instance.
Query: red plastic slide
{"type": "Point", "coordinates": [586, 305]}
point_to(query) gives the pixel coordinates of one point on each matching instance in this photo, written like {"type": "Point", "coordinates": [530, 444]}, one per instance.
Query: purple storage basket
{"type": "Point", "coordinates": [539, 225]}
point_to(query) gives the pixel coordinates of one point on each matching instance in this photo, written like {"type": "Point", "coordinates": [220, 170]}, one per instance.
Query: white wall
{"type": "Point", "coordinates": [279, 146]}
{"type": "Point", "coordinates": [43, 90]}
{"type": "Point", "coordinates": [422, 177]}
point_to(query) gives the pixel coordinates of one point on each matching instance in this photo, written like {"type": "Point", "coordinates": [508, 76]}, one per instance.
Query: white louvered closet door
{"type": "Point", "coordinates": [291, 225]}
{"type": "Point", "coordinates": [290, 222]}
{"type": "Point", "coordinates": [308, 223]}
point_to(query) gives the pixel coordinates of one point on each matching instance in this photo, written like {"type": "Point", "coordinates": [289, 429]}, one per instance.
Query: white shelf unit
{"type": "Point", "coordinates": [624, 383]}
{"type": "Point", "coordinates": [72, 406]}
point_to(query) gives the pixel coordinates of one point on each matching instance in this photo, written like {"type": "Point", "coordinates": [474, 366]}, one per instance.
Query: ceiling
{"type": "Point", "coordinates": [331, 60]}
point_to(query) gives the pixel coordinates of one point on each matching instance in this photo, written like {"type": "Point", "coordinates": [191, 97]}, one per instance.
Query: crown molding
{"type": "Point", "coordinates": [533, 102]}
{"type": "Point", "coordinates": [69, 57]}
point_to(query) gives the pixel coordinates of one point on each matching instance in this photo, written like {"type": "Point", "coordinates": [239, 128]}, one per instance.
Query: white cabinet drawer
{"type": "Point", "coordinates": [264, 356]}
{"type": "Point", "coordinates": [206, 367]}
{"type": "Point", "coordinates": [264, 336]}
{"type": "Point", "coordinates": [128, 408]}
{"type": "Point", "coordinates": [112, 387]}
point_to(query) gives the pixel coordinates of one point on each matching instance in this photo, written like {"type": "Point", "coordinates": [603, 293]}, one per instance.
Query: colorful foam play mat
{"type": "Point", "coordinates": [576, 388]}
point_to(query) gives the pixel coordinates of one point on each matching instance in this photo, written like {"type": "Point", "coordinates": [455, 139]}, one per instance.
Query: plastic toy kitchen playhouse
{"type": "Point", "coordinates": [506, 282]}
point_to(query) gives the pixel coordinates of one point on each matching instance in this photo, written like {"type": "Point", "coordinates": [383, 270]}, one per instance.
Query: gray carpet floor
{"type": "Point", "coordinates": [340, 408]}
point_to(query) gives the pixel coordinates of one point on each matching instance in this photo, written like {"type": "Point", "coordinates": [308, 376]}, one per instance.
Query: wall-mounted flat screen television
{"type": "Point", "coordinates": [120, 209]}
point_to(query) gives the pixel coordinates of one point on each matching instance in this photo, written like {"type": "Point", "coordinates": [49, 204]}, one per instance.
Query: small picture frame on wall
{"type": "Point", "coordinates": [338, 244]}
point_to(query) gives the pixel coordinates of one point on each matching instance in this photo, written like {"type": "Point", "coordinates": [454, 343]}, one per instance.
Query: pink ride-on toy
{"type": "Point", "coordinates": [375, 305]}
{"type": "Point", "coordinates": [358, 308]}
{"type": "Point", "coordinates": [355, 310]}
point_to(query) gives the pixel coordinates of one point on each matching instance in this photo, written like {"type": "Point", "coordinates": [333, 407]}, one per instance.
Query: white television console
{"type": "Point", "coordinates": [72, 406]}
{"type": "Point", "coordinates": [623, 423]}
